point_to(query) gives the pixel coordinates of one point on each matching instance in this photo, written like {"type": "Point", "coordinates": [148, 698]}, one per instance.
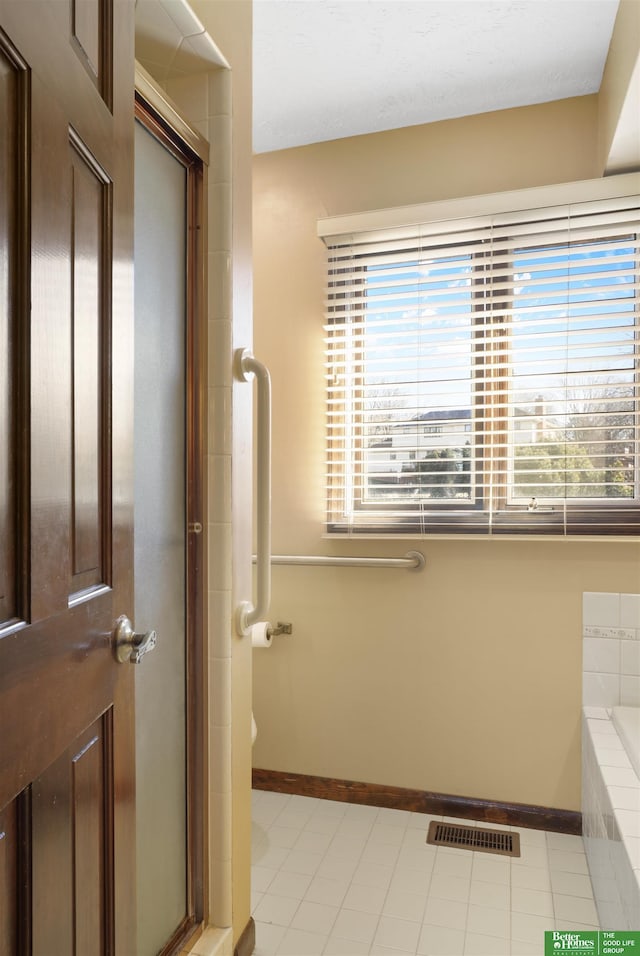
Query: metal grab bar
{"type": "Point", "coordinates": [413, 561]}
{"type": "Point", "coordinates": [247, 614]}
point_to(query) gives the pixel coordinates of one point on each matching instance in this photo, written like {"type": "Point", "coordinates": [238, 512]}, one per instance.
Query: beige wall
{"type": "Point", "coordinates": [619, 97]}
{"type": "Point", "coordinates": [465, 678]}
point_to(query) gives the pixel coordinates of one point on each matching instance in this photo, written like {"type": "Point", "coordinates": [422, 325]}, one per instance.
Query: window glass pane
{"type": "Point", "coordinates": [573, 354]}
{"type": "Point", "coordinates": [417, 337]}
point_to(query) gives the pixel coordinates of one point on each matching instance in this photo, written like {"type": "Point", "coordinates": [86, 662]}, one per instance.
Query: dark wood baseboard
{"type": "Point", "coordinates": [247, 942]}
{"type": "Point", "coordinates": [421, 801]}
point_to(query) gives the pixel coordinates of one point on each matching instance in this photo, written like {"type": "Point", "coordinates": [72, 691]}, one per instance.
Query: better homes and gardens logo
{"type": "Point", "coordinates": [592, 943]}
{"type": "Point", "coordinates": [565, 942]}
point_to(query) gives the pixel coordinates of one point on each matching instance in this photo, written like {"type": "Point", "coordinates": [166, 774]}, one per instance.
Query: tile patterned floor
{"type": "Point", "coordinates": [347, 880]}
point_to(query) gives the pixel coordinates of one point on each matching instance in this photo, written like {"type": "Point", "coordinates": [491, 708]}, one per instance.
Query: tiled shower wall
{"type": "Point", "coordinates": [610, 786]}
{"type": "Point", "coordinates": [611, 649]}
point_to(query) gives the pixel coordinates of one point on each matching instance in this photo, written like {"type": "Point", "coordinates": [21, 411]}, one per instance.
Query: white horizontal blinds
{"type": "Point", "coordinates": [486, 373]}
{"type": "Point", "coordinates": [574, 367]}
{"type": "Point", "coordinates": [401, 417]}
{"type": "Point", "coordinates": [382, 359]}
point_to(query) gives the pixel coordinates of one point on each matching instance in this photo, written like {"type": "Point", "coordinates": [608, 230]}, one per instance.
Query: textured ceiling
{"type": "Point", "coordinates": [325, 69]}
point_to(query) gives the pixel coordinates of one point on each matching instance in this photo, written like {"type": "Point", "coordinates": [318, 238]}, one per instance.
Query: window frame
{"type": "Point", "coordinates": [504, 513]}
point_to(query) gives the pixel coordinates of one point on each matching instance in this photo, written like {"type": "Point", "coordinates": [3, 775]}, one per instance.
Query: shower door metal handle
{"type": "Point", "coordinates": [248, 614]}
{"type": "Point", "coordinates": [129, 647]}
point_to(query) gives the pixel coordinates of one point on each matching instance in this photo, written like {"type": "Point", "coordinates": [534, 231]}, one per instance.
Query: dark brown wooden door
{"type": "Point", "coordinates": [66, 368]}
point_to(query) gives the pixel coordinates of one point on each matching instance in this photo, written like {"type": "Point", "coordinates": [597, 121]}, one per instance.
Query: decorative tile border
{"type": "Point", "coordinates": [612, 633]}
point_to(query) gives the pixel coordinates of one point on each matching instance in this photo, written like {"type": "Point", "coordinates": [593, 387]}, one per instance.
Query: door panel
{"type": "Point", "coordinates": [66, 707]}
{"type": "Point", "coordinates": [8, 146]}
{"type": "Point", "coordinates": [93, 40]}
{"type": "Point", "coordinates": [86, 31]}
{"type": "Point", "coordinates": [70, 805]}
{"type": "Point", "coordinates": [11, 121]}
{"type": "Point", "coordinates": [90, 257]}
{"type": "Point", "coordinates": [9, 882]}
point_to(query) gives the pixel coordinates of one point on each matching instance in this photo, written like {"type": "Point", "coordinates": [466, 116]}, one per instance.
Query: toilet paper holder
{"type": "Point", "coordinates": [281, 628]}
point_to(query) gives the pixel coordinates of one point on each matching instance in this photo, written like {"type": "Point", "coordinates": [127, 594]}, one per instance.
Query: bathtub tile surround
{"type": "Point", "coordinates": [610, 784]}
{"type": "Point", "coordinates": [610, 820]}
{"type": "Point", "coordinates": [343, 879]}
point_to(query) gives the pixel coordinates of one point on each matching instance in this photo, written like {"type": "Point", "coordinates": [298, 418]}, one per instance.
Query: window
{"type": "Point", "coordinates": [484, 374]}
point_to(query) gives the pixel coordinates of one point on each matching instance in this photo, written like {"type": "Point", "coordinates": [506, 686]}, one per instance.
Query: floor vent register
{"type": "Point", "coordinates": [474, 838]}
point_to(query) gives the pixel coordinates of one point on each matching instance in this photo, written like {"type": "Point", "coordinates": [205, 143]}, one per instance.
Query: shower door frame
{"type": "Point", "coordinates": [159, 119]}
